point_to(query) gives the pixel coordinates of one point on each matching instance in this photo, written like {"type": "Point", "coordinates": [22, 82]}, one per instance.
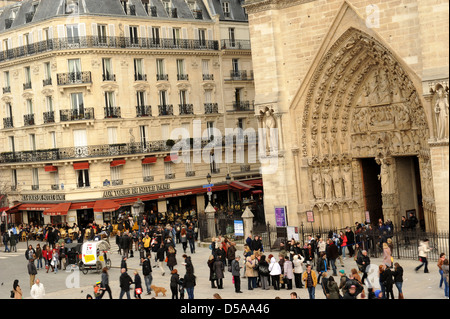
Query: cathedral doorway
{"type": "Point", "coordinates": [372, 188]}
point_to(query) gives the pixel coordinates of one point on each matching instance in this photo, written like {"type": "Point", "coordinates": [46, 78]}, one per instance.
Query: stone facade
{"type": "Point", "coordinates": [361, 92]}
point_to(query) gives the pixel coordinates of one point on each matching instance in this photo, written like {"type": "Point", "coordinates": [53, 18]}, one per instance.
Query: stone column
{"type": "Point", "coordinates": [389, 198]}
{"type": "Point", "coordinates": [210, 218]}
{"type": "Point", "coordinates": [247, 217]}
{"type": "Point", "coordinates": [439, 156]}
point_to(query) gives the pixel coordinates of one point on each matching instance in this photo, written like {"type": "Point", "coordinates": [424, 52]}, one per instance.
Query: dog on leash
{"type": "Point", "coordinates": [158, 290]}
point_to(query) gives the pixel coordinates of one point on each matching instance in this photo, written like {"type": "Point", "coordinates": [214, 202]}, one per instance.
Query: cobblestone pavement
{"type": "Point", "coordinates": [75, 285]}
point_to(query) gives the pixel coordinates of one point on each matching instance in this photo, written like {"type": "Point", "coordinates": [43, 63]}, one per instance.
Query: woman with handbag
{"type": "Point", "coordinates": [17, 290]}
{"type": "Point", "coordinates": [250, 272]}
{"type": "Point", "coordinates": [263, 271]}
{"type": "Point", "coordinates": [137, 285]}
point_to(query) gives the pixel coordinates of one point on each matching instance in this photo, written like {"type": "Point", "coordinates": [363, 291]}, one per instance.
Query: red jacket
{"type": "Point", "coordinates": [47, 254]}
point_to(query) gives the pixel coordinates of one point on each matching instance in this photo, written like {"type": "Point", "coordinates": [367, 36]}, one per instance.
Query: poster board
{"type": "Point", "coordinates": [280, 216]}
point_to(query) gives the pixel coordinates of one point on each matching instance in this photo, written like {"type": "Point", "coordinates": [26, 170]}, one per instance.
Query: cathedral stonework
{"type": "Point", "coordinates": [362, 130]}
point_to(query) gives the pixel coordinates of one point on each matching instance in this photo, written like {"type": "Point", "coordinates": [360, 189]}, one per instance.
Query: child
{"type": "Point", "coordinates": [97, 290]}
{"type": "Point", "coordinates": [181, 288]}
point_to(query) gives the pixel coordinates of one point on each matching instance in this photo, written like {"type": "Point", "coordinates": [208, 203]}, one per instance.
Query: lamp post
{"type": "Point", "coordinates": [210, 211]}
{"type": "Point", "coordinates": [228, 179]}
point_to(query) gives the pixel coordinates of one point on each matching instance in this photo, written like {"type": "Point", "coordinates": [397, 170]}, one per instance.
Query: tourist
{"type": "Point", "coordinates": [174, 282]}
{"type": "Point", "coordinates": [38, 257]}
{"type": "Point", "coordinates": [424, 249]}
{"type": "Point", "coordinates": [250, 272]}
{"type": "Point", "coordinates": [263, 272]}
{"type": "Point", "coordinates": [104, 284]}
{"type": "Point", "coordinates": [441, 272]}
{"type": "Point", "coordinates": [218, 269]}
{"type": "Point", "coordinates": [17, 291]}
{"type": "Point", "coordinates": [37, 290]}
{"type": "Point", "coordinates": [310, 279]}
{"type": "Point", "coordinates": [288, 272]}
{"type": "Point", "coordinates": [333, 289]}
{"type": "Point", "coordinates": [137, 285]}
{"type": "Point", "coordinates": [171, 257]}
{"type": "Point", "coordinates": [298, 270]}
{"type": "Point", "coordinates": [189, 283]}
{"type": "Point", "coordinates": [275, 272]}
{"type": "Point", "coordinates": [147, 273]}
{"type": "Point", "coordinates": [445, 269]}
{"type": "Point", "coordinates": [236, 273]}
{"type": "Point", "coordinates": [125, 283]}
{"type": "Point", "coordinates": [32, 271]}
{"type": "Point", "coordinates": [398, 279]}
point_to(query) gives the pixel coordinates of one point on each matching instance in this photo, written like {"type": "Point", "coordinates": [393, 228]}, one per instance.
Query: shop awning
{"type": "Point", "coordinates": [58, 210]}
{"type": "Point", "coordinates": [240, 185]}
{"type": "Point", "coordinates": [149, 160]}
{"type": "Point", "coordinates": [3, 209]}
{"type": "Point", "coordinates": [254, 182]}
{"type": "Point", "coordinates": [81, 165]}
{"type": "Point", "coordinates": [118, 163]}
{"type": "Point", "coordinates": [105, 205]}
{"type": "Point", "coordinates": [13, 209]}
{"type": "Point", "coordinates": [170, 158]}
{"type": "Point", "coordinates": [51, 168]}
{"type": "Point", "coordinates": [36, 206]}
{"type": "Point", "coordinates": [82, 205]}
{"type": "Point", "coordinates": [258, 191]}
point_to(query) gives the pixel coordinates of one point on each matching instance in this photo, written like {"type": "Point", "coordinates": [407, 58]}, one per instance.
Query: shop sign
{"type": "Point", "coordinates": [135, 190]}
{"type": "Point", "coordinates": [43, 197]}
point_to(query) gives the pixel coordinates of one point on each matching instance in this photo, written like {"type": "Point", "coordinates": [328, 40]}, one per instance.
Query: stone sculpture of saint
{"type": "Point", "coordinates": [348, 181]}
{"type": "Point", "coordinates": [269, 124]}
{"type": "Point", "coordinates": [327, 182]}
{"type": "Point", "coordinates": [441, 113]}
{"type": "Point", "coordinates": [317, 184]}
{"type": "Point", "coordinates": [337, 183]}
{"type": "Point", "coordinates": [384, 177]}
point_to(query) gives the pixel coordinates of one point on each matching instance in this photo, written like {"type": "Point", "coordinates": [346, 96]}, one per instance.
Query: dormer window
{"type": "Point", "coordinates": [71, 6]}
{"type": "Point", "coordinates": [226, 9]}
{"type": "Point", "coordinates": [128, 8]}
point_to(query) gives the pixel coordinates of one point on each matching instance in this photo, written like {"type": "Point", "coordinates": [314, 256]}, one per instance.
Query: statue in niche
{"type": "Point", "coordinates": [348, 180]}
{"type": "Point", "coordinates": [441, 113]}
{"type": "Point", "coordinates": [270, 124]}
{"type": "Point", "coordinates": [327, 181]}
{"type": "Point", "coordinates": [384, 95]}
{"type": "Point", "coordinates": [317, 184]}
{"type": "Point", "coordinates": [385, 176]}
{"type": "Point", "coordinates": [337, 183]}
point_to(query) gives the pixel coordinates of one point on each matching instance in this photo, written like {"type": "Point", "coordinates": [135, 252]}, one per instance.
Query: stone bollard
{"type": "Point", "coordinates": [210, 217]}
{"type": "Point", "coordinates": [247, 217]}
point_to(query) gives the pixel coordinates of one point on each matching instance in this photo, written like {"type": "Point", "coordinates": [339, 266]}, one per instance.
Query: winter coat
{"type": "Point", "coordinates": [398, 274]}
{"type": "Point", "coordinates": [263, 268]}
{"type": "Point", "coordinates": [423, 249]}
{"type": "Point", "coordinates": [231, 252]}
{"type": "Point", "coordinates": [274, 267]}
{"type": "Point", "coordinates": [125, 281]}
{"type": "Point", "coordinates": [288, 269]}
{"type": "Point", "coordinates": [32, 268]}
{"type": "Point", "coordinates": [332, 251]}
{"type": "Point", "coordinates": [171, 259]}
{"type": "Point", "coordinates": [333, 290]}
{"type": "Point", "coordinates": [189, 281]}
{"type": "Point", "coordinates": [146, 267]}
{"type": "Point", "coordinates": [250, 270]}
{"type": "Point", "coordinates": [298, 264]}
{"type": "Point", "coordinates": [174, 281]}
{"type": "Point", "coordinates": [235, 268]}
{"type": "Point", "coordinates": [218, 268]}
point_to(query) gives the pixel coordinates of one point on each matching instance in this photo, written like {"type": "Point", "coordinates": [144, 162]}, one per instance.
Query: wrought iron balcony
{"type": "Point", "coordinates": [143, 110]}
{"type": "Point", "coordinates": [140, 77]}
{"type": "Point", "coordinates": [165, 109]}
{"type": "Point", "coordinates": [49, 117]}
{"type": "Point", "coordinates": [8, 122]}
{"type": "Point", "coordinates": [243, 106]}
{"type": "Point", "coordinates": [117, 182]}
{"type": "Point", "coordinates": [186, 109]}
{"type": "Point", "coordinates": [148, 178]}
{"type": "Point", "coordinates": [74, 78]}
{"type": "Point", "coordinates": [162, 77]}
{"type": "Point", "coordinates": [109, 77]}
{"type": "Point", "coordinates": [208, 77]}
{"type": "Point", "coordinates": [27, 86]}
{"type": "Point", "coordinates": [170, 176]}
{"type": "Point", "coordinates": [77, 114]}
{"type": "Point", "coordinates": [235, 44]}
{"type": "Point", "coordinates": [55, 187]}
{"type": "Point", "coordinates": [28, 119]}
{"type": "Point", "coordinates": [240, 76]}
{"type": "Point", "coordinates": [112, 111]}
{"type": "Point", "coordinates": [183, 77]}
{"type": "Point", "coordinates": [34, 187]}
{"type": "Point", "coordinates": [211, 108]}
{"type": "Point", "coordinates": [190, 174]}
{"type": "Point", "coordinates": [46, 82]}
{"type": "Point", "coordinates": [6, 89]}
{"type": "Point", "coordinates": [245, 168]}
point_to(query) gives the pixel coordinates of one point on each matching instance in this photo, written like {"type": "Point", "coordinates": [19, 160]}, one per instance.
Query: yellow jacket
{"type": "Point", "coordinates": [147, 242]}
{"type": "Point", "coordinates": [313, 276]}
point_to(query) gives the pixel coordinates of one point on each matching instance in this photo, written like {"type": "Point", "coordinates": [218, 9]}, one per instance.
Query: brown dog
{"type": "Point", "coordinates": [158, 290]}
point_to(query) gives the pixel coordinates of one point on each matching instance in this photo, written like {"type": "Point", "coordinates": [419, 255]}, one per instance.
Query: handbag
{"type": "Point", "coordinates": [167, 259]}
{"type": "Point", "coordinates": [138, 291]}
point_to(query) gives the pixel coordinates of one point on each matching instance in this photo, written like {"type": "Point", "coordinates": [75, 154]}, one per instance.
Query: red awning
{"type": "Point", "coordinates": [105, 205]}
{"type": "Point", "coordinates": [3, 208]}
{"type": "Point", "coordinates": [81, 165]}
{"type": "Point", "coordinates": [254, 182]}
{"type": "Point", "coordinates": [36, 207]}
{"type": "Point", "coordinates": [117, 163]}
{"type": "Point", "coordinates": [258, 191]}
{"type": "Point", "coordinates": [13, 209]}
{"type": "Point", "coordinates": [82, 205]}
{"type": "Point", "coordinates": [170, 158]}
{"type": "Point", "coordinates": [58, 210]}
{"type": "Point", "coordinates": [51, 168]}
{"type": "Point", "coordinates": [240, 185]}
{"type": "Point", "coordinates": [149, 160]}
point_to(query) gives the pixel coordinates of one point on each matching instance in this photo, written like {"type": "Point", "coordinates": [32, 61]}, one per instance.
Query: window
{"type": "Point", "coordinates": [202, 37]}
{"type": "Point", "coordinates": [210, 129]}
{"type": "Point", "coordinates": [134, 35]}
{"type": "Point", "coordinates": [115, 175]}
{"type": "Point", "coordinates": [160, 70]}
{"type": "Point", "coordinates": [188, 164]}
{"type": "Point", "coordinates": [155, 35]}
{"type": "Point", "coordinates": [110, 104]}
{"type": "Point", "coordinates": [8, 109]}
{"type": "Point", "coordinates": [55, 185]}
{"type": "Point", "coordinates": [12, 144]}
{"type": "Point", "coordinates": [143, 133]}
{"type": "Point", "coordinates": [75, 69]}
{"type": "Point", "coordinates": [165, 132]}
{"type": "Point", "coordinates": [73, 35]}
{"type": "Point", "coordinates": [6, 44]}
{"type": "Point", "coordinates": [112, 135]}
{"type": "Point", "coordinates": [83, 178]}
{"type": "Point", "coordinates": [163, 97]}
{"type": "Point", "coordinates": [7, 82]}
{"type": "Point", "coordinates": [26, 39]}
{"type": "Point", "coordinates": [32, 142]}
{"type": "Point", "coordinates": [47, 71]}
{"type": "Point", "coordinates": [124, 6]}
{"type": "Point", "coordinates": [13, 179]}
{"type": "Point", "coordinates": [168, 171]}
{"type": "Point", "coordinates": [77, 102]}
{"type": "Point", "coordinates": [183, 97]}
{"type": "Point", "coordinates": [28, 75]}
{"type": "Point", "coordinates": [147, 172]}
{"type": "Point", "coordinates": [79, 138]}
{"type": "Point", "coordinates": [176, 36]}
{"type": "Point", "coordinates": [208, 96]}
{"type": "Point", "coordinates": [53, 139]}
{"type": "Point", "coordinates": [180, 70]}
{"type": "Point", "coordinates": [49, 103]}
{"type": "Point", "coordinates": [140, 98]}
{"type": "Point", "coordinates": [226, 9]}
{"type": "Point", "coordinates": [138, 70]}
{"type": "Point", "coordinates": [101, 33]}
{"type": "Point", "coordinates": [107, 70]}
{"type": "Point", "coordinates": [30, 106]}
{"type": "Point", "coordinates": [35, 179]}
{"type": "Point", "coordinates": [231, 37]}
{"type": "Point", "coordinates": [71, 6]}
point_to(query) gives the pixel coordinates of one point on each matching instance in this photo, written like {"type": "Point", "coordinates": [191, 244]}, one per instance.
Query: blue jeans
{"type": "Point", "coordinates": [192, 246]}
{"type": "Point", "coordinates": [148, 282]}
{"type": "Point", "coordinates": [122, 292]}
{"type": "Point", "coordinates": [39, 263]}
{"type": "Point", "coordinates": [312, 292]}
{"type": "Point", "coordinates": [441, 272]}
{"type": "Point", "coordinates": [6, 248]}
{"type": "Point", "coordinates": [190, 292]}
{"type": "Point", "coordinates": [333, 266]}
{"type": "Point", "coordinates": [399, 286]}
{"type": "Point", "coordinates": [343, 251]}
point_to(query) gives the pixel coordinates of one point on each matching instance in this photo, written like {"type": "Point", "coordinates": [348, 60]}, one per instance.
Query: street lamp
{"type": "Point", "coordinates": [228, 179]}
{"type": "Point", "coordinates": [209, 193]}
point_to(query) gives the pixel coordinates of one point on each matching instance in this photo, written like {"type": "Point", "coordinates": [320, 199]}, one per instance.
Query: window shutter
{"type": "Point", "coordinates": [61, 31]}
{"type": "Point", "coordinates": [94, 29]}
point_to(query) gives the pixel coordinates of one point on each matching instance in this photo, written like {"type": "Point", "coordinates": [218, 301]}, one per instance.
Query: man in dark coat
{"type": "Point", "coordinates": [332, 252]}
{"type": "Point", "coordinates": [147, 272]}
{"type": "Point", "coordinates": [364, 261]}
{"type": "Point", "coordinates": [125, 283]}
{"type": "Point", "coordinates": [125, 244]}
{"type": "Point", "coordinates": [350, 240]}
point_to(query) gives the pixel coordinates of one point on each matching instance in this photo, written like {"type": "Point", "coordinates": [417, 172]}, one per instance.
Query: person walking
{"type": "Point", "coordinates": [298, 270]}
{"type": "Point", "coordinates": [398, 279]}
{"type": "Point", "coordinates": [310, 279]}
{"type": "Point", "coordinates": [439, 265]}
{"type": "Point", "coordinates": [147, 273]}
{"type": "Point", "coordinates": [171, 257]}
{"type": "Point", "coordinates": [364, 261]}
{"type": "Point", "coordinates": [32, 271]}
{"type": "Point", "coordinates": [332, 253]}
{"type": "Point", "coordinates": [13, 242]}
{"type": "Point", "coordinates": [189, 282]}
{"type": "Point", "coordinates": [387, 255]}
{"type": "Point", "coordinates": [104, 284]}
{"type": "Point", "coordinates": [125, 283]}
{"type": "Point", "coordinates": [388, 282]}
{"type": "Point", "coordinates": [137, 285]}
{"type": "Point", "coordinates": [174, 282]}
{"type": "Point", "coordinates": [333, 289]}
{"type": "Point", "coordinates": [37, 290]}
{"type": "Point", "coordinates": [424, 249]}
{"type": "Point", "coordinates": [212, 273]}
{"type": "Point", "coordinates": [275, 272]}
{"type": "Point", "coordinates": [160, 258]}
{"type": "Point", "coordinates": [38, 257]}
{"type": "Point", "coordinates": [6, 241]}
{"type": "Point", "coordinates": [183, 238]}
{"type": "Point", "coordinates": [54, 261]}
{"type": "Point", "coordinates": [445, 269]}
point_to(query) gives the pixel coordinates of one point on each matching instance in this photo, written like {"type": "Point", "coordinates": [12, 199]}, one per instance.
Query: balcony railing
{"type": "Point", "coordinates": [8, 122]}
{"type": "Point", "coordinates": [183, 77]}
{"type": "Point", "coordinates": [235, 44]}
{"type": "Point", "coordinates": [186, 109]}
{"type": "Point", "coordinates": [208, 77]}
{"type": "Point", "coordinates": [190, 174]}
{"type": "Point", "coordinates": [74, 78]}
{"type": "Point", "coordinates": [28, 119]}
{"type": "Point", "coordinates": [109, 42]}
{"type": "Point", "coordinates": [112, 111]}
{"type": "Point", "coordinates": [140, 77]}
{"type": "Point", "coordinates": [27, 86]}
{"type": "Point", "coordinates": [211, 108]}
{"type": "Point", "coordinates": [143, 110]}
{"type": "Point", "coordinates": [76, 114]}
{"type": "Point", "coordinates": [148, 178]}
{"type": "Point", "coordinates": [6, 89]}
{"type": "Point", "coordinates": [165, 109]}
{"type": "Point", "coordinates": [241, 75]}
{"type": "Point", "coordinates": [109, 77]}
{"type": "Point", "coordinates": [117, 182]}
{"type": "Point", "coordinates": [170, 176]}
{"type": "Point", "coordinates": [46, 82]}
{"type": "Point", "coordinates": [162, 77]}
{"type": "Point", "coordinates": [243, 106]}
{"type": "Point", "coordinates": [49, 117]}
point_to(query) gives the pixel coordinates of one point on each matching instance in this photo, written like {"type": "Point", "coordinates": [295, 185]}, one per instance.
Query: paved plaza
{"type": "Point", "coordinates": [75, 285]}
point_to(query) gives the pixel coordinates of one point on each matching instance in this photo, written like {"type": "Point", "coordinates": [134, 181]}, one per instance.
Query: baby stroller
{"type": "Point", "coordinates": [73, 254]}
